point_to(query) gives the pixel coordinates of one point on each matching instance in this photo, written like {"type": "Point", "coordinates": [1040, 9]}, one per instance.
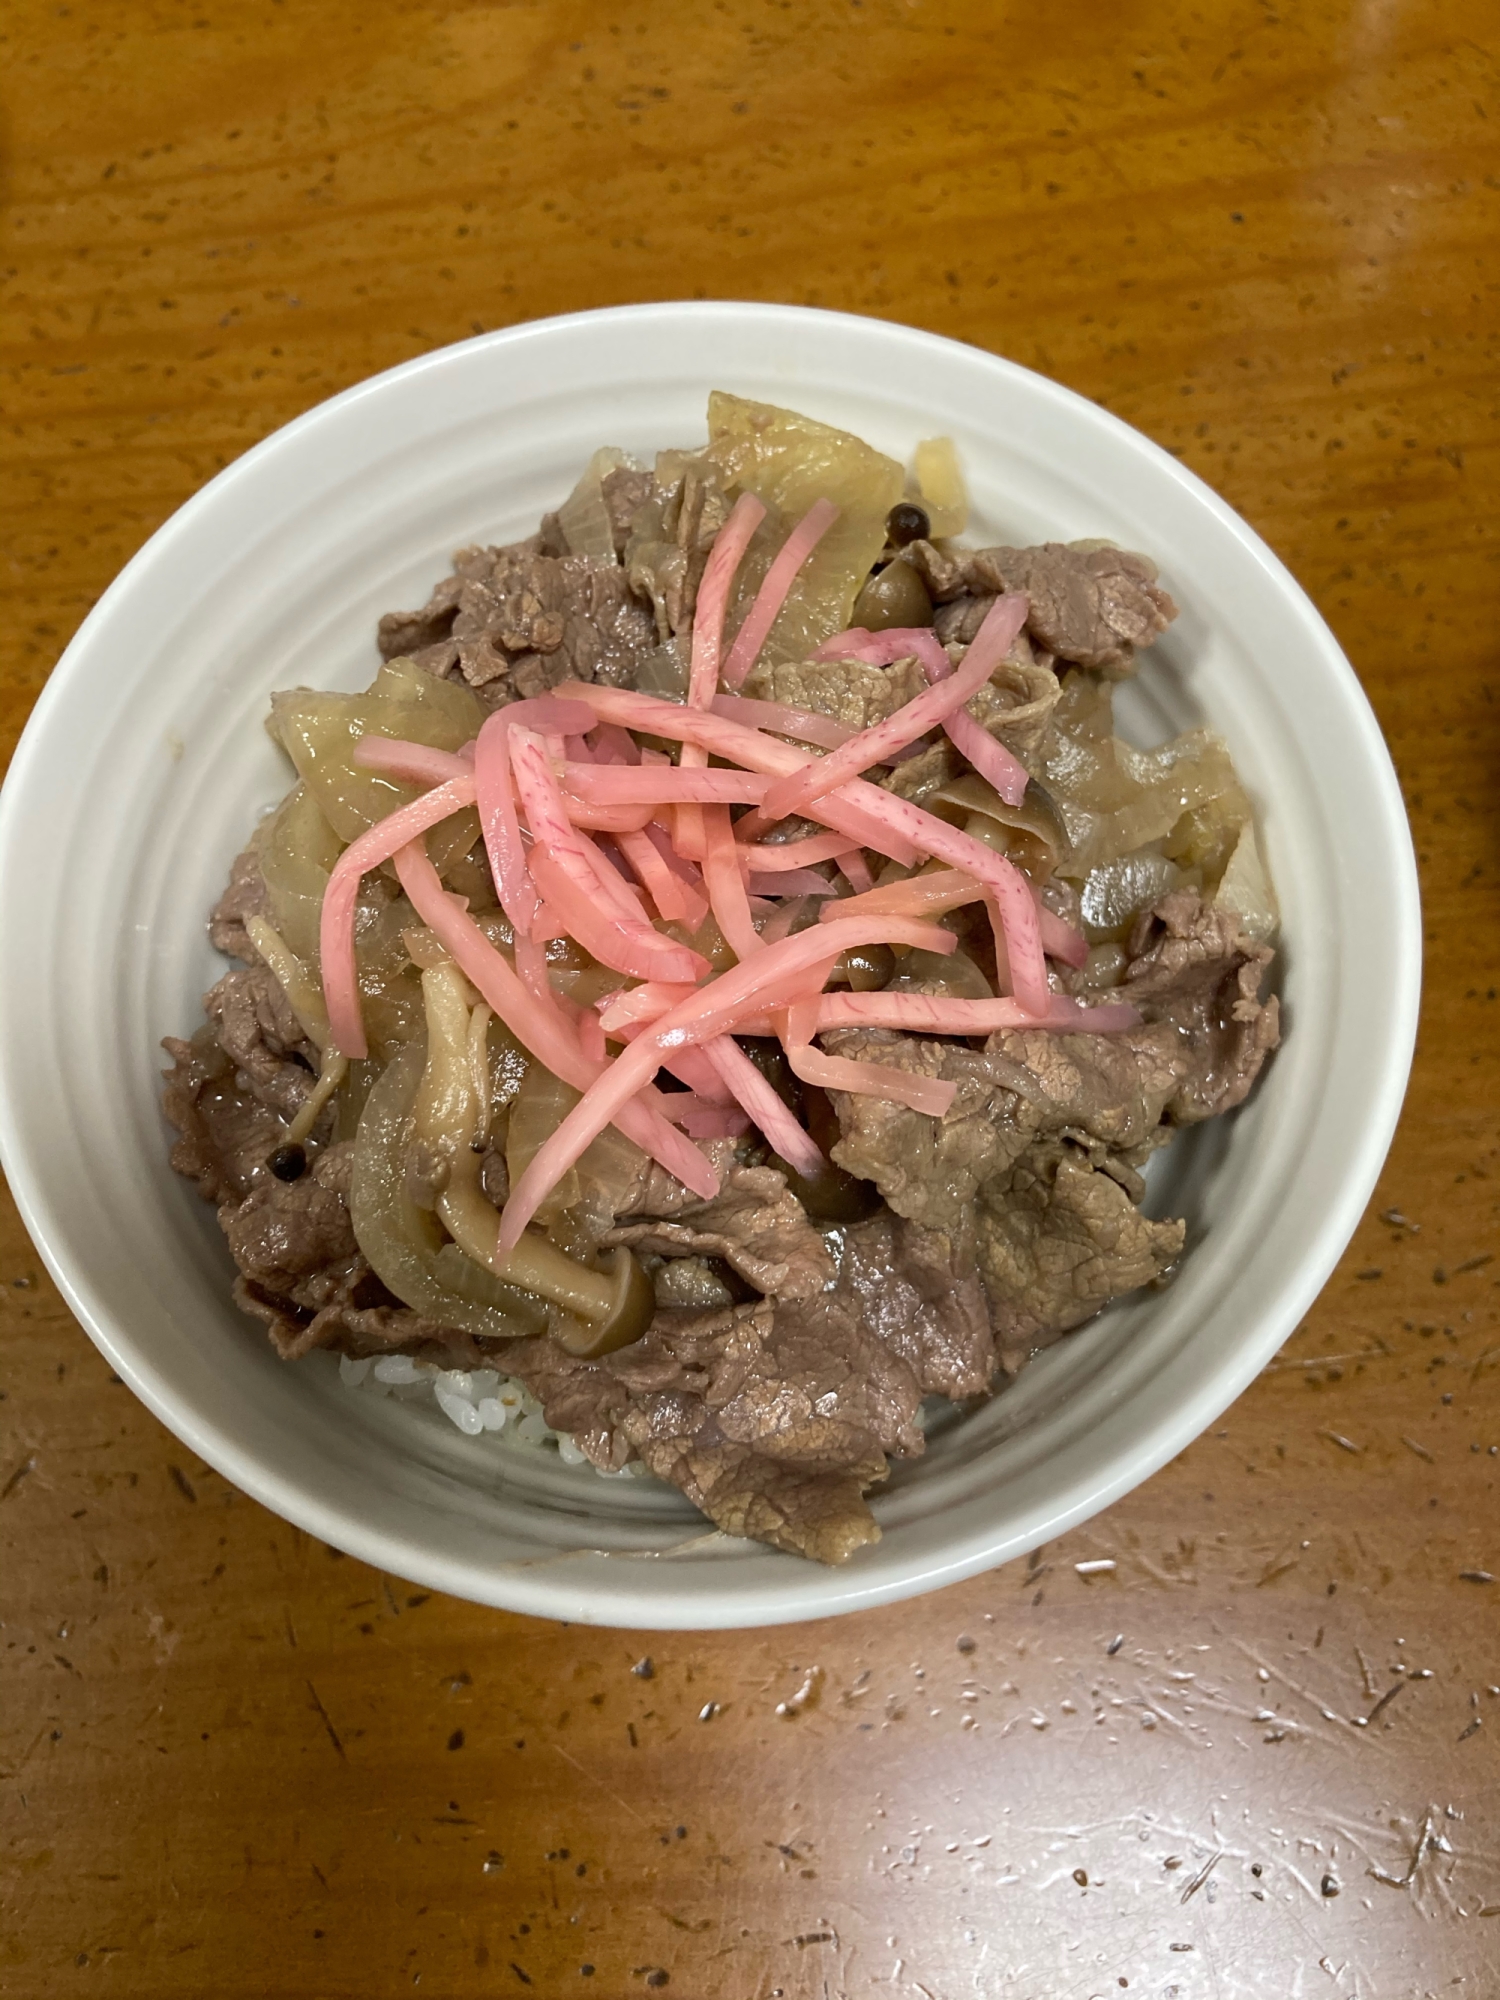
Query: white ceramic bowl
{"type": "Point", "coordinates": [145, 764]}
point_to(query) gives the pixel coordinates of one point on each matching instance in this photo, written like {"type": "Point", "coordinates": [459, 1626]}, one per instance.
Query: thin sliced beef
{"type": "Point", "coordinates": [1017, 701]}
{"type": "Point", "coordinates": [771, 1417]}
{"type": "Point", "coordinates": [263, 1038]}
{"type": "Point", "coordinates": [515, 621]}
{"type": "Point", "coordinates": [775, 1417]}
{"type": "Point", "coordinates": [1195, 978]}
{"type": "Point", "coordinates": [920, 1291]}
{"type": "Point", "coordinates": [1042, 1149]}
{"type": "Point", "coordinates": [225, 1135]}
{"type": "Point", "coordinates": [626, 490]}
{"type": "Point", "coordinates": [1194, 972]}
{"type": "Point", "coordinates": [754, 1223]}
{"type": "Point", "coordinates": [285, 1233]}
{"type": "Point", "coordinates": [1095, 606]}
{"type": "Point", "coordinates": [1059, 1237]}
{"type": "Point", "coordinates": [245, 896]}
{"type": "Point", "coordinates": [928, 1169]}
{"type": "Point", "coordinates": [690, 1284]}
{"type": "Point", "coordinates": [354, 1314]}
{"type": "Point", "coordinates": [301, 1272]}
{"type": "Point", "coordinates": [848, 690]}
{"type": "Point", "coordinates": [670, 536]}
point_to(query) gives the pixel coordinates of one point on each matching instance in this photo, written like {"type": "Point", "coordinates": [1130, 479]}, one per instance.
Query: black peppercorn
{"type": "Point", "coordinates": [288, 1163]}
{"type": "Point", "coordinates": [907, 522]}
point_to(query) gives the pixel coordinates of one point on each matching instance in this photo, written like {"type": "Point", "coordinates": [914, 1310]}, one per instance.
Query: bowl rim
{"type": "Point", "coordinates": [527, 1587]}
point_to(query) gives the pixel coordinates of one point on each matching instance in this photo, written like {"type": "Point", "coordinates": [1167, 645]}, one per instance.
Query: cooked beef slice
{"type": "Point", "coordinates": [347, 1308]}
{"type": "Point", "coordinates": [626, 490]}
{"type": "Point", "coordinates": [301, 1272]}
{"type": "Point", "coordinates": [1094, 606]}
{"type": "Point", "coordinates": [1205, 1033]}
{"type": "Point", "coordinates": [1044, 1142]}
{"type": "Point", "coordinates": [670, 535]}
{"type": "Point", "coordinates": [1057, 1239]}
{"type": "Point", "coordinates": [771, 1417]}
{"type": "Point", "coordinates": [928, 1169]}
{"type": "Point", "coordinates": [284, 1232]}
{"type": "Point", "coordinates": [245, 896]}
{"type": "Point", "coordinates": [1192, 970]}
{"type": "Point", "coordinates": [515, 621]}
{"type": "Point", "coordinates": [225, 1135]}
{"type": "Point", "coordinates": [774, 1417]}
{"type": "Point", "coordinates": [258, 1031]}
{"type": "Point", "coordinates": [690, 1284]}
{"type": "Point", "coordinates": [919, 1290]}
{"type": "Point", "coordinates": [917, 778]}
{"type": "Point", "coordinates": [847, 690]}
{"type": "Point", "coordinates": [1017, 701]}
{"type": "Point", "coordinates": [754, 1223]}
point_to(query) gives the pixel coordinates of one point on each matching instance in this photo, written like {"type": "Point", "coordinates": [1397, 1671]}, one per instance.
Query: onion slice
{"type": "Point", "coordinates": [336, 926]}
{"type": "Point", "coordinates": [772, 594]}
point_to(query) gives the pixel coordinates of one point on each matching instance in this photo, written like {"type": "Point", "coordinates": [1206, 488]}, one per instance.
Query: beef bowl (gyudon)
{"type": "Point", "coordinates": [713, 999]}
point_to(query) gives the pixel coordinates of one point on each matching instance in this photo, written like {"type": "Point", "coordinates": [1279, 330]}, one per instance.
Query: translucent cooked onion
{"type": "Point", "coordinates": [583, 516]}
{"type": "Point", "coordinates": [790, 461]}
{"type": "Point", "coordinates": [297, 849]}
{"type": "Point", "coordinates": [1113, 799]}
{"type": "Point", "coordinates": [1116, 892]}
{"type": "Point", "coordinates": [1030, 833]}
{"type": "Point", "coordinates": [954, 976]}
{"type": "Point", "coordinates": [403, 1243]}
{"type": "Point", "coordinates": [319, 731]}
{"type": "Point", "coordinates": [1245, 887]}
{"type": "Point", "coordinates": [939, 482]}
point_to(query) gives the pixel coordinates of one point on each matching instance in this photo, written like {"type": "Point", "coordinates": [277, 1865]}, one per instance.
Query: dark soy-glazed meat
{"type": "Point", "coordinates": [799, 1326]}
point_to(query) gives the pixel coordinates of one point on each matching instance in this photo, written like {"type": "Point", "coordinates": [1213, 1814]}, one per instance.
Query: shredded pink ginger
{"type": "Point", "coordinates": [728, 551]}
{"type": "Point", "coordinates": [992, 642]}
{"type": "Point", "coordinates": [871, 816]}
{"type": "Point", "coordinates": [944, 889]}
{"type": "Point", "coordinates": [971, 739]}
{"type": "Point", "coordinates": [579, 884]}
{"type": "Point", "coordinates": [773, 977]}
{"type": "Point", "coordinates": [550, 774]}
{"type": "Point", "coordinates": [541, 1028]}
{"type": "Point", "coordinates": [772, 594]}
{"type": "Point", "coordinates": [806, 724]}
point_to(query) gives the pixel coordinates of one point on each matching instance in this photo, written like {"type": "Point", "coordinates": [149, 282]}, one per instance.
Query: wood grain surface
{"type": "Point", "coordinates": [1258, 1756]}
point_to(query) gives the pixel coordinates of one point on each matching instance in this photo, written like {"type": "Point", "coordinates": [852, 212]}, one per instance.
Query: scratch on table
{"type": "Point", "coordinates": [1343, 1443]}
{"type": "Point", "coordinates": [1202, 1875]}
{"type": "Point", "coordinates": [27, 1466]}
{"type": "Point", "coordinates": [1384, 1702]}
{"type": "Point", "coordinates": [333, 1735]}
{"type": "Point", "coordinates": [1418, 1856]}
{"type": "Point", "coordinates": [623, 1804]}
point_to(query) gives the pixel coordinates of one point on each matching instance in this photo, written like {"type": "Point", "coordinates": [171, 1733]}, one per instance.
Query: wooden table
{"type": "Point", "coordinates": [1259, 1756]}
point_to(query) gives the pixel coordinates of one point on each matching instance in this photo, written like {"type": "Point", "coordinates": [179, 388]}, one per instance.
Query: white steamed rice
{"type": "Point", "coordinates": [476, 1401]}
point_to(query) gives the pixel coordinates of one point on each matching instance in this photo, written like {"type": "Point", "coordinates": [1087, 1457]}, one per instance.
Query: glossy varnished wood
{"type": "Point", "coordinates": [1256, 1756]}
